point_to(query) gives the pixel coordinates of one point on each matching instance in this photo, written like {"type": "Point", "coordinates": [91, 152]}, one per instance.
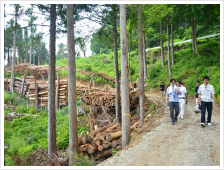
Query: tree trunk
{"type": "Point", "coordinates": [116, 70]}
{"type": "Point", "coordinates": [51, 84]}
{"type": "Point", "coordinates": [73, 130]}
{"type": "Point", "coordinates": [8, 58]}
{"type": "Point", "coordinates": [124, 79]}
{"type": "Point", "coordinates": [38, 59]}
{"type": "Point", "coordinates": [195, 39]}
{"type": "Point", "coordinates": [30, 54]}
{"type": "Point", "coordinates": [144, 58]}
{"type": "Point", "coordinates": [141, 68]}
{"type": "Point", "coordinates": [162, 50]}
{"type": "Point", "coordinates": [168, 55]}
{"type": "Point", "coordinates": [193, 34]}
{"type": "Point", "coordinates": [34, 59]}
{"type": "Point", "coordinates": [14, 55]}
{"type": "Point", "coordinates": [26, 59]}
{"type": "Point", "coordinates": [172, 50]}
{"type": "Point", "coordinates": [57, 93]}
{"type": "Point", "coordinates": [11, 58]}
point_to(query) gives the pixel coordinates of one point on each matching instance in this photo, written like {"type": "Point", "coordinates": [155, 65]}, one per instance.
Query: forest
{"type": "Point", "coordinates": [147, 39]}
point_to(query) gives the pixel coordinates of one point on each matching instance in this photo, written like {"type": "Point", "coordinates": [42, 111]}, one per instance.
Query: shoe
{"type": "Point", "coordinates": [175, 120]}
{"type": "Point", "coordinates": [173, 123]}
{"type": "Point", "coordinates": [203, 124]}
{"type": "Point", "coordinates": [196, 111]}
{"type": "Point", "coordinates": [209, 124]}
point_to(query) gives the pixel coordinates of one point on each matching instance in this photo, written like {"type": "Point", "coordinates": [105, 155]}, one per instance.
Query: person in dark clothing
{"type": "Point", "coordinates": [196, 95]}
{"type": "Point", "coordinates": [162, 90]}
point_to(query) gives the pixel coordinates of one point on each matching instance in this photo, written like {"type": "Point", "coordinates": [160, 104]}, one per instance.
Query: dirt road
{"type": "Point", "coordinates": [184, 144]}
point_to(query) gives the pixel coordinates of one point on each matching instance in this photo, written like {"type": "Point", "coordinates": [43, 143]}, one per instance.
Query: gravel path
{"type": "Point", "coordinates": [184, 144]}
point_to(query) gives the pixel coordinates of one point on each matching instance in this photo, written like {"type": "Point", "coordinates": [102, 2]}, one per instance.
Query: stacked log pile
{"type": "Point", "coordinates": [107, 98]}
{"type": "Point", "coordinates": [43, 93]}
{"type": "Point", "coordinates": [20, 85]}
{"type": "Point", "coordinates": [40, 72]}
{"type": "Point", "coordinates": [99, 142]}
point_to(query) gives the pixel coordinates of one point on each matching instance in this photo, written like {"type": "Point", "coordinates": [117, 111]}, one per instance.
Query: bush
{"type": "Point", "coordinates": [32, 110]}
{"type": "Point", "coordinates": [8, 110]}
{"type": "Point", "coordinates": [83, 160]}
{"type": "Point", "coordinates": [8, 97]}
{"type": "Point", "coordinates": [21, 109]}
{"type": "Point", "coordinates": [7, 75]}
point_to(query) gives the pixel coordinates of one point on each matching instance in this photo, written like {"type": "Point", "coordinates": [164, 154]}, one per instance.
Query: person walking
{"type": "Point", "coordinates": [198, 83]}
{"type": "Point", "coordinates": [172, 93]}
{"type": "Point", "coordinates": [206, 95]}
{"type": "Point", "coordinates": [162, 90]}
{"type": "Point", "coordinates": [182, 99]}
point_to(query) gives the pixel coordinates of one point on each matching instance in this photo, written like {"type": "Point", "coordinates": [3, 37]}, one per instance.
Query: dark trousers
{"type": "Point", "coordinates": [174, 105]}
{"type": "Point", "coordinates": [205, 105]}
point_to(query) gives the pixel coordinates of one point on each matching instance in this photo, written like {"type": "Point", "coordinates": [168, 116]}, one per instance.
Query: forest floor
{"type": "Point", "coordinates": [162, 144]}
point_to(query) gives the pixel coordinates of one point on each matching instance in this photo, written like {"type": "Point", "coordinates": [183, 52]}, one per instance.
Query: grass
{"type": "Point", "coordinates": [27, 133]}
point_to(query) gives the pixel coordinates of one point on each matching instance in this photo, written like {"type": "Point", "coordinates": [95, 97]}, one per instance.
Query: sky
{"type": "Point", "coordinates": [85, 27]}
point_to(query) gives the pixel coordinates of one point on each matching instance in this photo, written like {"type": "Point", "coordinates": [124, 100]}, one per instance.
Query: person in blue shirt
{"type": "Point", "coordinates": [172, 94]}
{"type": "Point", "coordinates": [162, 90]}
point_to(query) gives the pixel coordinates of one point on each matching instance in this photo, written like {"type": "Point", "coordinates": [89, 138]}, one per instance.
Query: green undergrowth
{"type": "Point", "coordinates": [24, 135]}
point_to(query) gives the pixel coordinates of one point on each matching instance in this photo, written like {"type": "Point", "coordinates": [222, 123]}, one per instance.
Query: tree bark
{"type": "Point", "coordinates": [124, 79]}
{"type": "Point", "coordinates": [38, 59]}
{"type": "Point", "coordinates": [193, 34]}
{"type": "Point", "coordinates": [14, 53]}
{"type": "Point", "coordinates": [168, 55]}
{"type": "Point", "coordinates": [73, 130]}
{"type": "Point", "coordinates": [141, 71]}
{"type": "Point", "coordinates": [30, 54]}
{"type": "Point", "coordinates": [51, 84]}
{"type": "Point", "coordinates": [8, 58]}
{"type": "Point", "coordinates": [195, 39]}
{"type": "Point", "coordinates": [116, 70]}
{"type": "Point", "coordinates": [172, 50]}
{"type": "Point", "coordinates": [144, 58]}
{"type": "Point", "coordinates": [57, 93]}
{"type": "Point", "coordinates": [162, 50]}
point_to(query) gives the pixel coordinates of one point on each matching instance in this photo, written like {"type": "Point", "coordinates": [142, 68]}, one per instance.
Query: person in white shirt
{"type": "Point", "coordinates": [182, 99]}
{"type": "Point", "coordinates": [206, 93]}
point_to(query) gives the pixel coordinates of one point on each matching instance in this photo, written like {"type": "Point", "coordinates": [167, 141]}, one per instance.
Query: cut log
{"type": "Point", "coordinates": [112, 136]}
{"type": "Point", "coordinates": [119, 147]}
{"type": "Point", "coordinates": [97, 136]}
{"type": "Point", "coordinates": [102, 137]}
{"type": "Point", "coordinates": [114, 143]}
{"type": "Point", "coordinates": [92, 134]}
{"type": "Point", "coordinates": [81, 148]}
{"type": "Point", "coordinates": [92, 148]}
{"type": "Point", "coordinates": [100, 147]}
{"type": "Point", "coordinates": [104, 153]}
{"type": "Point", "coordinates": [98, 142]}
{"type": "Point", "coordinates": [111, 128]}
{"type": "Point", "coordinates": [84, 140]}
{"type": "Point", "coordinates": [106, 144]}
